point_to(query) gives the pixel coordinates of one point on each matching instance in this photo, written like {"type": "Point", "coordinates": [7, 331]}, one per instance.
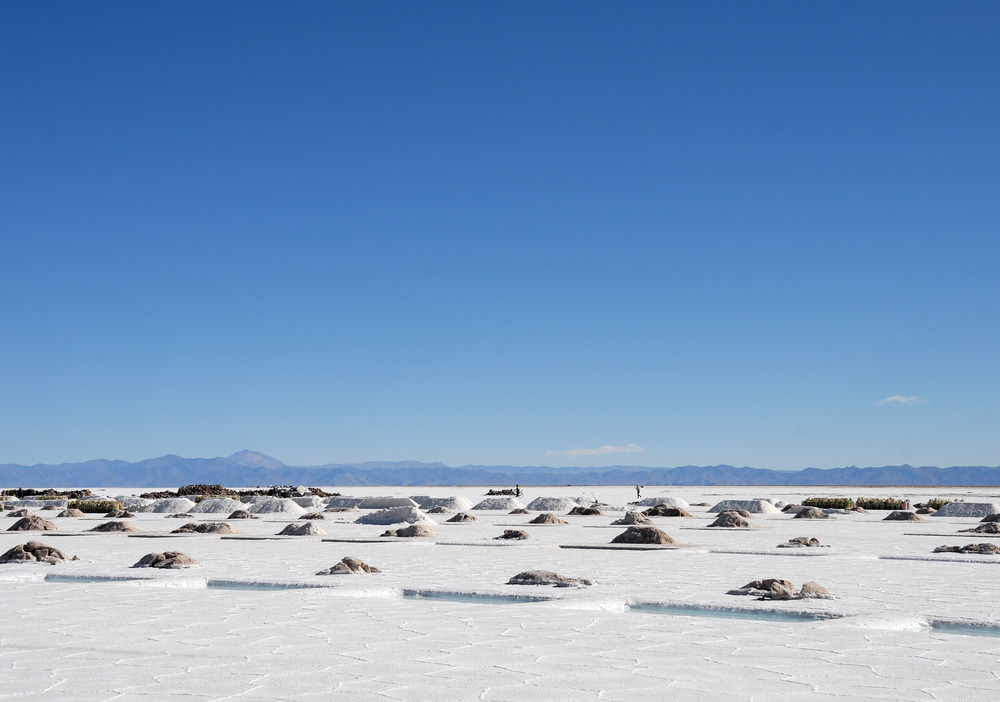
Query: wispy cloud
{"type": "Point", "coordinates": [903, 400]}
{"type": "Point", "coordinates": [599, 451]}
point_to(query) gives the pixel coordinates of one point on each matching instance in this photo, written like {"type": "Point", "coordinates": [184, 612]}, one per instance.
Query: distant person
{"type": "Point", "coordinates": [638, 495]}
{"type": "Point", "coordinates": [517, 491]}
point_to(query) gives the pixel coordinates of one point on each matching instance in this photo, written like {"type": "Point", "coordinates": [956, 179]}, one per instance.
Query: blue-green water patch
{"type": "Point", "coordinates": [474, 597]}
{"type": "Point", "coordinates": [965, 628]}
{"type": "Point", "coordinates": [770, 615]}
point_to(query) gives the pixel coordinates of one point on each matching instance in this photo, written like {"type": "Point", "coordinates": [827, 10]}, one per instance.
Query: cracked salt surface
{"type": "Point", "coordinates": [906, 632]}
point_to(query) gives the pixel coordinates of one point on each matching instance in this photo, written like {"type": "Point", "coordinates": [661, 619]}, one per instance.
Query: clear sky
{"type": "Point", "coordinates": [760, 234]}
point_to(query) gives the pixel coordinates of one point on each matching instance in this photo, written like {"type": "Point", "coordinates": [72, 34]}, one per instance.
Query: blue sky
{"type": "Point", "coordinates": [501, 233]}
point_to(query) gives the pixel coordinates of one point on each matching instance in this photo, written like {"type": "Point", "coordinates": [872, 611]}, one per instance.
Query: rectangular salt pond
{"type": "Point", "coordinates": [965, 628]}
{"type": "Point", "coordinates": [60, 578]}
{"type": "Point", "coordinates": [473, 597]}
{"type": "Point", "coordinates": [769, 615]}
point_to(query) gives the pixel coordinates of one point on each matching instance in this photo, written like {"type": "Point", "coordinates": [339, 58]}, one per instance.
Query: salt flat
{"type": "Point", "coordinates": [439, 623]}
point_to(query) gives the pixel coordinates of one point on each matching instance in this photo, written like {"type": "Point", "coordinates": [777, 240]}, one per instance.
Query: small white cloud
{"type": "Point", "coordinates": [599, 451]}
{"type": "Point", "coordinates": [903, 400]}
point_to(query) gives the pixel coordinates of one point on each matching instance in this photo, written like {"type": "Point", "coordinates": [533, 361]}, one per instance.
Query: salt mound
{"type": "Point", "coordinates": [456, 503]}
{"type": "Point", "coordinates": [206, 528]}
{"type": "Point", "coordinates": [643, 535]}
{"type": "Point", "coordinates": [241, 514]}
{"type": "Point", "coordinates": [580, 511]}
{"type": "Point", "coordinates": [412, 531]}
{"type": "Point", "coordinates": [307, 529]}
{"type": "Point", "coordinates": [666, 511]}
{"type": "Point", "coordinates": [969, 548]}
{"type": "Point", "coordinates": [760, 588]}
{"type": "Point", "coordinates": [547, 577]}
{"type": "Point", "coordinates": [70, 513]}
{"type": "Point", "coordinates": [20, 513]}
{"type": "Point", "coordinates": [668, 501]}
{"type": "Point", "coordinates": [902, 516]}
{"type": "Point", "coordinates": [32, 523]}
{"type": "Point", "coordinates": [632, 518]}
{"type": "Point", "coordinates": [386, 502]}
{"type": "Point", "coordinates": [731, 519]}
{"type": "Point", "coordinates": [463, 517]}
{"type": "Point", "coordinates": [216, 505]}
{"type": "Point", "coordinates": [169, 505]}
{"type": "Point", "coordinates": [800, 541]}
{"type": "Point", "coordinates": [520, 510]}
{"type": "Point", "coordinates": [344, 502]}
{"type": "Point", "coordinates": [115, 527]}
{"type": "Point", "coordinates": [309, 502]}
{"type": "Point", "coordinates": [547, 518]}
{"type": "Point", "coordinates": [811, 513]}
{"type": "Point", "coordinates": [266, 504]}
{"type": "Point", "coordinates": [341, 509]}
{"type": "Point", "coordinates": [313, 515]}
{"type": "Point", "coordinates": [752, 506]}
{"type": "Point", "coordinates": [991, 518]}
{"type": "Point", "coordinates": [968, 509]}
{"type": "Point", "coordinates": [440, 510]}
{"type": "Point", "coordinates": [498, 503]}
{"type": "Point", "coordinates": [33, 552]}
{"type": "Point", "coordinates": [512, 535]}
{"type": "Point", "coordinates": [815, 591]}
{"type": "Point", "coordinates": [119, 514]}
{"type": "Point", "coordinates": [168, 559]}
{"type": "Point", "coordinates": [987, 528]}
{"type": "Point", "coordinates": [349, 566]}
{"type": "Point", "coordinates": [181, 515]}
{"type": "Point", "coordinates": [394, 515]}
{"type": "Point", "coordinates": [552, 504]}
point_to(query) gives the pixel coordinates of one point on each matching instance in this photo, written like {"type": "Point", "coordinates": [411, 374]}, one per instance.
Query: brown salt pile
{"type": "Point", "coordinates": [987, 528]}
{"type": "Point", "coordinates": [206, 528]}
{"type": "Point", "coordinates": [119, 514]}
{"type": "Point", "coordinates": [584, 512]}
{"type": "Point", "coordinates": [801, 541]}
{"type": "Point", "coordinates": [513, 534]}
{"type": "Point", "coordinates": [902, 516]}
{"type": "Point", "coordinates": [242, 514]}
{"type": "Point", "coordinates": [70, 513]}
{"type": "Point", "coordinates": [643, 535]}
{"type": "Point", "coordinates": [666, 511]}
{"type": "Point", "coordinates": [463, 517]}
{"type": "Point", "coordinates": [349, 565]}
{"type": "Point", "coordinates": [811, 513]}
{"type": "Point", "coordinates": [168, 559]}
{"type": "Point", "coordinates": [307, 529]}
{"type": "Point", "coordinates": [115, 527]}
{"type": "Point", "coordinates": [32, 523]}
{"type": "Point", "coordinates": [969, 548]}
{"type": "Point", "coordinates": [34, 552]}
{"type": "Point", "coordinates": [731, 519]}
{"type": "Point", "coordinates": [547, 518]}
{"type": "Point", "coordinates": [632, 518]}
{"type": "Point", "coordinates": [412, 531]}
{"type": "Point", "coordinates": [547, 577]}
{"type": "Point", "coordinates": [313, 515]}
{"type": "Point", "coordinates": [440, 509]}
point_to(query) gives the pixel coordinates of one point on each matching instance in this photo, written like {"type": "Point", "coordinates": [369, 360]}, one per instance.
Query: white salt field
{"type": "Point", "coordinates": [440, 622]}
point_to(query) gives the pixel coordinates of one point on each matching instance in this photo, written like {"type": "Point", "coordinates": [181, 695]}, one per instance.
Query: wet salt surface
{"type": "Point", "coordinates": [441, 624]}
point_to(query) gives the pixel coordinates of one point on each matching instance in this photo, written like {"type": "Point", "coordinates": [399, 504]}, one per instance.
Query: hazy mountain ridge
{"type": "Point", "coordinates": [248, 468]}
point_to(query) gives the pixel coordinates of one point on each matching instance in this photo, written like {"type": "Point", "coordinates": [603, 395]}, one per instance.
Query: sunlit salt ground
{"type": "Point", "coordinates": [440, 623]}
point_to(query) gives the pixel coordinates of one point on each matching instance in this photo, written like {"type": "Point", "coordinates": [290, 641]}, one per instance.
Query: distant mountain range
{"type": "Point", "coordinates": [250, 468]}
